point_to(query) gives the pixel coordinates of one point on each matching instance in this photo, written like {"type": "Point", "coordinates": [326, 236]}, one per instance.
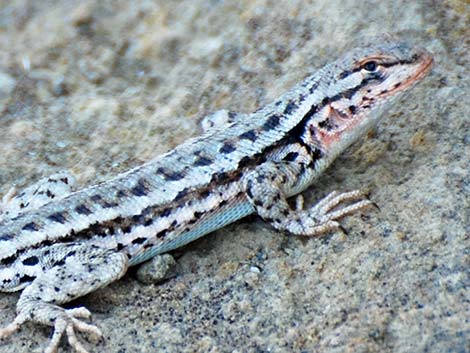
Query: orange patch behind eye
{"type": "Point", "coordinates": [329, 130]}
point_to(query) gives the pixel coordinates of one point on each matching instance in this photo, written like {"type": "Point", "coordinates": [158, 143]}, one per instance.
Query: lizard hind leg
{"type": "Point", "coordinates": [75, 270]}
{"type": "Point", "coordinates": [220, 119]}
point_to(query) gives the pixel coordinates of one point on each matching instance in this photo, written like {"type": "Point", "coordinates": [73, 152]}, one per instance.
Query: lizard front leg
{"type": "Point", "coordinates": [270, 184]}
{"type": "Point", "coordinates": [61, 273]}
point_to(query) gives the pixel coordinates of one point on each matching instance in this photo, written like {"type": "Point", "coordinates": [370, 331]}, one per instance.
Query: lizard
{"type": "Point", "coordinates": [57, 244]}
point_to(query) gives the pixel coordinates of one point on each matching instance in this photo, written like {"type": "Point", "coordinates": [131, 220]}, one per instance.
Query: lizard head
{"type": "Point", "coordinates": [364, 82]}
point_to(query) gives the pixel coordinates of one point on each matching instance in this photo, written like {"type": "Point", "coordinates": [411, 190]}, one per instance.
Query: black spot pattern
{"type": "Point", "coordinates": [203, 161]}
{"type": "Point", "coordinates": [58, 217]}
{"type": "Point", "coordinates": [344, 74]}
{"type": "Point", "coordinates": [290, 107]}
{"type": "Point", "coordinates": [108, 204]}
{"type": "Point", "coordinates": [272, 122]}
{"type": "Point", "coordinates": [181, 194]}
{"type": "Point", "coordinates": [5, 237]}
{"type": "Point", "coordinates": [166, 212]}
{"type": "Point", "coordinates": [8, 260]}
{"type": "Point", "coordinates": [162, 233]}
{"type": "Point", "coordinates": [83, 209]}
{"type": "Point", "coordinates": [121, 193]}
{"type": "Point", "coordinates": [326, 124]}
{"type": "Point", "coordinates": [26, 278]}
{"type": "Point", "coordinates": [170, 175]}
{"type": "Point", "coordinates": [138, 240]}
{"type": "Point", "coordinates": [31, 261]}
{"type": "Point", "coordinates": [227, 148]}
{"type": "Point", "coordinates": [219, 177]}
{"type": "Point", "coordinates": [31, 226]}
{"type": "Point", "coordinates": [244, 162]}
{"type": "Point", "coordinates": [138, 218]}
{"type": "Point", "coordinates": [249, 135]}
{"type": "Point", "coordinates": [291, 156]}
{"type": "Point", "coordinates": [140, 189]}
{"type": "Point", "coordinates": [71, 253]}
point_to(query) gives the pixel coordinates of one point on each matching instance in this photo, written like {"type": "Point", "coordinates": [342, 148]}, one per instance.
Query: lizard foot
{"type": "Point", "coordinates": [66, 321]}
{"type": "Point", "coordinates": [323, 217]}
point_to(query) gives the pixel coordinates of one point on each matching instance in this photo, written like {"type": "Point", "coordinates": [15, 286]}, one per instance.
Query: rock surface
{"type": "Point", "coordinates": [103, 86]}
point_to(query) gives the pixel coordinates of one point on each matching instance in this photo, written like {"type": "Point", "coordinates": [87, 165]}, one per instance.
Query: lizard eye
{"type": "Point", "coordinates": [370, 66]}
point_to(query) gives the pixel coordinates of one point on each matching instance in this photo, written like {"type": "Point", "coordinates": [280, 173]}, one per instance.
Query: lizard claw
{"type": "Point", "coordinates": [299, 202]}
{"type": "Point", "coordinates": [325, 214]}
{"type": "Point", "coordinates": [68, 324]}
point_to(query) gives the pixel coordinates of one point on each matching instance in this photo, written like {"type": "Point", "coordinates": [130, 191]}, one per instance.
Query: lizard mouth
{"type": "Point", "coordinates": [424, 66]}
